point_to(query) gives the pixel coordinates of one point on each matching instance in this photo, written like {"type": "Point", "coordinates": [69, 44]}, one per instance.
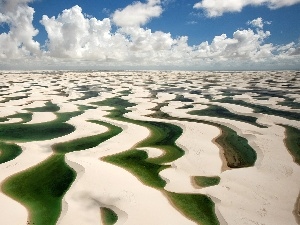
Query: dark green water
{"type": "Point", "coordinates": [9, 151]}
{"type": "Point", "coordinates": [218, 111]}
{"type": "Point", "coordinates": [41, 189]}
{"type": "Point", "coordinates": [237, 151]}
{"type": "Point", "coordinates": [292, 142]}
{"type": "Point", "coordinates": [263, 109]}
{"type": "Point", "coordinates": [136, 162]}
{"type": "Point", "coordinates": [20, 132]}
{"type": "Point", "coordinates": [198, 208]}
{"type": "Point", "coordinates": [88, 142]}
{"type": "Point", "coordinates": [109, 217]}
{"type": "Point", "coordinates": [49, 107]}
{"type": "Point", "coordinates": [203, 181]}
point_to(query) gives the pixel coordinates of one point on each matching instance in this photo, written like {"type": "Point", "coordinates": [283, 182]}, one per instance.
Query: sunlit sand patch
{"type": "Point", "coordinates": [152, 152]}
{"type": "Point", "coordinates": [12, 120]}
{"type": "Point", "coordinates": [42, 117]}
{"type": "Point", "coordinates": [128, 194]}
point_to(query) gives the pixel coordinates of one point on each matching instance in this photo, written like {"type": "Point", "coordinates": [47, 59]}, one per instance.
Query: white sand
{"type": "Point", "coordinates": [263, 194]}
{"type": "Point", "coordinates": [266, 183]}
{"type": "Point", "coordinates": [115, 187]}
{"type": "Point", "coordinates": [42, 117]}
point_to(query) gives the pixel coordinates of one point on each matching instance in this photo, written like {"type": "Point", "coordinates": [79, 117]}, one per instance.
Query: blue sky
{"type": "Point", "coordinates": [150, 34]}
{"type": "Point", "coordinates": [180, 19]}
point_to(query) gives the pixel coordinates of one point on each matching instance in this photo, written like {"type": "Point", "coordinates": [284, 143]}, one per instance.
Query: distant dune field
{"type": "Point", "coordinates": [150, 147]}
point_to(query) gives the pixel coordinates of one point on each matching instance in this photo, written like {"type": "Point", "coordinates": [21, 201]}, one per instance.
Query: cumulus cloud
{"type": "Point", "coordinates": [291, 49]}
{"type": "Point", "coordinates": [73, 35]}
{"type": "Point", "coordinates": [245, 44]}
{"type": "Point", "coordinates": [137, 14]}
{"type": "Point", "coordinates": [258, 22]}
{"type": "Point", "coordinates": [146, 40]}
{"type": "Point", "coordinates": [18, 42]}
{"type": "Point", "coordinates": [296, 51]}
{"type": "Point", "coordinates": [215, 8]}
{"type": "Point", "coordinates": [76, 40]}
{"type": "Point", "coordinates": [10, 5]}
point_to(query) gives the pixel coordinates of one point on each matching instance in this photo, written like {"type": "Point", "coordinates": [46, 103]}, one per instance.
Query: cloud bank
{"type": "Point", "coordinates": [215, 8]}
{"type": "Point", "coordinates": [78, 41]}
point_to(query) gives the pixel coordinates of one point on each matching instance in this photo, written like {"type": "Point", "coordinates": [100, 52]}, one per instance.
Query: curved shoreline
{"type": "Point", "coordinates": [103, 136]}
{"type": "Point", "coordinates": [296, 212]}
{"type": "Point", "coordinates": [207, 181]}
{"type": "Point", "coordinates": [34, 201]}
{"type": "Point", "coordinates": [292, 142]}
{"type": "Point", "coordinates": [221, 152]}
{"type": "Point", "coordinates": [267, 192]}
{"type": "Point", "coordinates": [234, 158]}
{"type": "Point", "coordinates": [146, 163]}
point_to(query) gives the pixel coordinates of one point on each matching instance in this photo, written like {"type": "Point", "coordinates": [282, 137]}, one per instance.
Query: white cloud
{"type": "Point", "coordinates": [244, 45]}
{"type": "Point", "coordinates": [258, 22]}
{"type": "Point", "coordinates": [72, 35]}
{"type": "Point", "coordinates": [93, 40]}
{"type": "Point", "coordinates": [296, 51]}
{"type": "Point", "coordinates": [144, 40]}
{"type": "Point", "coordinates": [215, 8]}
{"type": "Point", "coordinates": [10, 5]}
{"type": "Point", "coordinates": [79, 41]}
{"type": "Point", "coordinates": [291, 49]}
{"type": "Point", "coordinates": [137, 14]}
{"type": "Point", "coordinates": [18, 42]}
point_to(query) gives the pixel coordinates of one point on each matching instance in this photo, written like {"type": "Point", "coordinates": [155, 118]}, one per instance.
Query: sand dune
{"type": "Point", "coordinates": [264, 193]}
